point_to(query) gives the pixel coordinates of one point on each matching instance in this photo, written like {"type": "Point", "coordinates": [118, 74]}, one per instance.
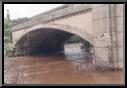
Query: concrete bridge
{"type": "Point", "coordinates": [99, 24]}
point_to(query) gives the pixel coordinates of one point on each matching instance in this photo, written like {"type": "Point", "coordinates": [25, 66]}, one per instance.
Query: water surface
{"type": "Point", "coordinates": [58, 68]}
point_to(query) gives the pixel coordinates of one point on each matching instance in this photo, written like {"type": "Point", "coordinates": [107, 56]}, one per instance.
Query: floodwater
{"type": "Point", "coordinates": [58, 68]}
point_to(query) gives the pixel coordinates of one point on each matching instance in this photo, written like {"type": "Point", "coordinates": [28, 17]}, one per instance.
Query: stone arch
{"type": "Point", "coordinates": [65, 30]}
{"type": "Point", "coordinates": [85, 35]}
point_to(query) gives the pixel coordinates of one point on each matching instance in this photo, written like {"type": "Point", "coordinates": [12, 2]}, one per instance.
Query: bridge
{"type": "Point", "coordinates": [100, 24]}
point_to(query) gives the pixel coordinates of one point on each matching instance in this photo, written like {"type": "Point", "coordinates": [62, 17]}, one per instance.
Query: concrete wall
{"type": "Point", "coordinates": [82, 21]}
{"type": "Point", "coordinates": [119, 23]}
{"type": "Point", "coordinates": [108, 31]}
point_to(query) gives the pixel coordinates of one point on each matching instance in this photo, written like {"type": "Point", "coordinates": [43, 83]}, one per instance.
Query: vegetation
{"type": "Point", "coordinates": [8, 46]}
{"type": "Point", "coordinates": [77, 39]}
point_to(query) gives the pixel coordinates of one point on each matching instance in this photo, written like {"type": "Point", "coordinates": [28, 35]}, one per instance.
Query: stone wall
{"type": "Point", "coordinates": [108, 32]}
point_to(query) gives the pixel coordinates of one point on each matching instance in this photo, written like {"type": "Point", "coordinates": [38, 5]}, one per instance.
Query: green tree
{"type": "Point", "coordinates": [8, 46]}
{"type": "Point", "coordinates": [77, 39]}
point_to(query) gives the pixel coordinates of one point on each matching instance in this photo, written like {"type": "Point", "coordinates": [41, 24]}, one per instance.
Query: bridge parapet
{"type": "Point", "coordinates": [54, 14]}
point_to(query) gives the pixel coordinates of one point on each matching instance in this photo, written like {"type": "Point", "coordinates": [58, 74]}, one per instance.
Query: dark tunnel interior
{"type": "Point", "coordinates": [42, 41]}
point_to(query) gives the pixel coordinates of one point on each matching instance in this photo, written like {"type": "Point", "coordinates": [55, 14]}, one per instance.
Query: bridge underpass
{"type": "Point", "coordinates": [104, 30]}
{"type": "Point", "coordinates": [100, 24]}
{"type": "Point", "coordinates": [42, 41]}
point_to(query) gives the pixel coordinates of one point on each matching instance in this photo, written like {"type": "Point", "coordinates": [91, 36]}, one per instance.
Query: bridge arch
{"type": "Point", "coordinates": [48, 36]}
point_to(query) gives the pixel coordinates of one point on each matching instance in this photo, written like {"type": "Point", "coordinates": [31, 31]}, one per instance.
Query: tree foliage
{"type": "Point", "coordinates": [8, 46]}
{"type": "Point", "coordinates": [77, 39]}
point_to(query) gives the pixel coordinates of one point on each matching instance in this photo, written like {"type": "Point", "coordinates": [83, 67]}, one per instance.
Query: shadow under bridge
{"type": "Point", "coordinates": [42, 41]}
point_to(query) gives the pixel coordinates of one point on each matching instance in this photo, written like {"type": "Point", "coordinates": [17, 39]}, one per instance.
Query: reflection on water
{"type": "Point", "coordinates": [60, 67]}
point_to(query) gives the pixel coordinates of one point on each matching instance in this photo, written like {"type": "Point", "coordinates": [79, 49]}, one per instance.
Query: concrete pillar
{"type": "Point", "coordinates": [106, 37]}
{"type": "Point", "coordinates": [117, 18]}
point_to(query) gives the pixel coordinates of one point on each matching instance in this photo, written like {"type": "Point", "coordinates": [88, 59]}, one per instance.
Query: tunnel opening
{"type": "Point", "coordinates": [47, 40]}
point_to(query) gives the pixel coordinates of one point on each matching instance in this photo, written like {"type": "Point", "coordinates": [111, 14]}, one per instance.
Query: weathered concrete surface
{"type": "Point", "coordinates": [100, 24]}
{"type": "Point", "coordinates": [108, 31]}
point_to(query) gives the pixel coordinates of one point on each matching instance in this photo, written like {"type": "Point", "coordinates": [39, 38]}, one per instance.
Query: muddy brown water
{"type": "Point", "coordinates": [57, 68]}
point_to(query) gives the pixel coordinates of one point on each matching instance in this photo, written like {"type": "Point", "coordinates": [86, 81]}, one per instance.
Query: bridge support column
{"type": "Point", "coordinates": [108, 33]}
